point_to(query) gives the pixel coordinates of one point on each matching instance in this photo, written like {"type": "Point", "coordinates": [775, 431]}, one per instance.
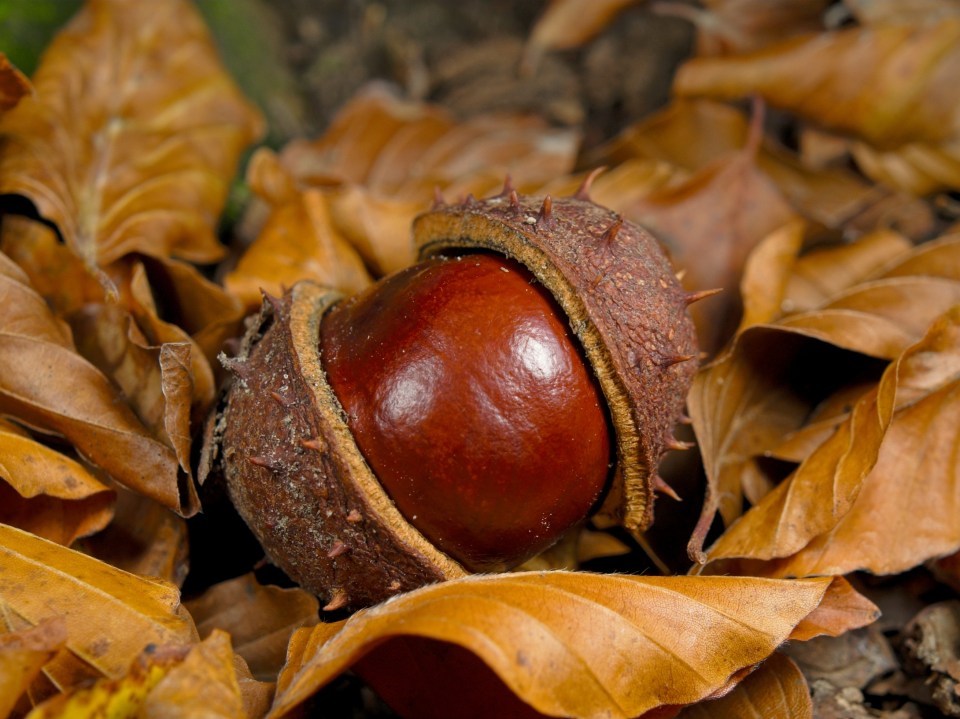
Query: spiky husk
{"type": "Point", "coordinates": [624, 304]}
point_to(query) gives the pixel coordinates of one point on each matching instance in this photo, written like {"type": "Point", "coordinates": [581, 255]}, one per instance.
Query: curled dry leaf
{"type": "Point", "coordinates": [890, 85]}
{"type": "Point", "coordinates": [22, 655]}
{"type": "Point", "coordinates": [915, 477]}
{"type": "Point", "coordinates": [46, 384]}
{"type": "Point", "coordinates": [13, 85]}
{"type": "Point", "coordinates": [110, 616]}
{"type": "Point", "coordinates": [107, 148]}
{"type": "Point", "coordinates": [775, 689]}
{"type": "Point", "coordinates": [143, 538]}
{"type": "Point", "coordinates": [567, 644]}
{"type": "Point", "coordinates": [748, 401]}
{"type": "Point", "coordinates": [298, 242]}
{"type": "Point", "coordinates": [259, 618]}
{"type": "Point", "coordinates": [382, 159]}
{"type": "Point", "coordinates": [44, 492]}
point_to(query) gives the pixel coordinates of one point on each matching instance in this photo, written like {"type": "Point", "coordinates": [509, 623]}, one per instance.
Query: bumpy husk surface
{"type": "Point", "coordinates": [296, 476]}
{"type": "Point", "coordinates": [625, 306]}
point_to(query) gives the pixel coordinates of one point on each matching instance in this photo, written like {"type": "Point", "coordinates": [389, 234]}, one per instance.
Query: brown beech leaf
{"type": "Point", "coordinates": [691, 133]}
{"type": "Point", "coordinates": [110, 615]}
{"type": "Point", "coordinates": [44, 492]}
{"type": "Point", "coordinates": [299, 240]}
{"type": "Point", "coordinates": [841, 610]}
{"type": "Point", "coordinates": [888, 85]}
{"type": "Point", "coordinates": [775, 689]}
{"type": "Point", "coordinates": [259, 618]}
{"type": "Point", "coordinates": [46, 384]}
{"type": "Point", "coordinates": [22, 655]}
{"type": "Point", "coordinates": [918, 446]}
{"type": "Point", "coordinates": [143, 538]}
{"type": "Point", "coordinates": [13, 85]}
{"type": "Point", "coordinates": [747, 402]}
{"type": "Point", "coordinates": [382, 160]}
{"type": "Point", "coordinates": [733, 27]}
{"type": "Point", "coordinates": [711, 222]}
{"type": "Point", "coordinates": [566, 644]}
{"type": "Point", "coordinates": [825, 272]}
{"type": "Point", "coordinates": [905, 513]}
{"type": "Point", "coordinates": [132, 135]}
{"type": "Point", "coordinates": [917, 12]}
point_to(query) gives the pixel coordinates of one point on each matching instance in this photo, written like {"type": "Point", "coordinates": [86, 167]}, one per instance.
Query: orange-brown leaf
{"type": "Point", "coordinates": [841, 610]}
{"type": "Point", "coordinates": [13, 85]}
{"type": "Point", "coordinates": [259, 618]}
{"type": "Point", "coordinates": [888, 85]}
{"type": "Point", "coordinates": [732, 27]}
{"type": "Point", "coordinates": [110, 615]}
{"type": "Point", "coordinates": [132, 135]}
{"type": "Point", "coordinates": [46, 493]}
{"type": "Point", "coordinates": [143, 538]}
{"type": "Point", "coordinates": [711, 223]}
{"type": "Point", "coordinates": [22, 655]}
{"type": "Point", "coordinates": [46, 384]}
{"type": "Point", "coordinates": [575, 644]}
{"type": "Point", "coordinates": [299, 241]}
{"type": "Point", "coordinates": [775, 689]}
{"type": "Point", "coordinates": [906, 511]}
{"type": "Point", "coordinates": [382, 159]}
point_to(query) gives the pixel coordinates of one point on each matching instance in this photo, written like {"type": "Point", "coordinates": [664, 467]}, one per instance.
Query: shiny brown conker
{"type": "Point", "coordinates": [471, 400]}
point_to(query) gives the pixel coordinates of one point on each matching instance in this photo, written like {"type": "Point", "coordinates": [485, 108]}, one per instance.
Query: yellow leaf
{"type": "Point", "coordinates": [110, 615]}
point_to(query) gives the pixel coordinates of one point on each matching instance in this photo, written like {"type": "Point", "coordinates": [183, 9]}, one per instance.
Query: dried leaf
{"type": "Point", "coordinates": [45, 383]}
{"type": "Point", "coordinates": [299, 241]}
{"type": "Point", "coordinates": [746, 403]}
{"type": "Point", "coordinates": [568, 24]}
{"type": "Point", "coordinates": [915, 475]}
{"type": "Point", "coordinates": [711, 223]}
{"type": "Point", "coordinates": [46, 493]}
{"type": "Point", "coordinates": [540, 633]}
{"type": "Point", "coordinates": [917, 12]}
{"type": "Point", "coordinates": [204, 685]}
{"type": "Point", "coordinates": [889, 85]}
{"type": "Point", "coordinates": [733, 27]}
{"type": "Point", "coordinates": [693, 133]}
{"type": "Point", "coordinates": [13, 85]}
{"type": "Point", "coordinates": [110, 615]}
{"type": "Point", "coordinates": [108, 149]}
{"type": "Point", "coordinates": [144, 538]}
{"type": "Point", "coordinates": [775, 689]}
{"type": "Point", "coordinates": [825, 272]}
{"type": "Point", "coordinates": [117, 698]}
{"type": "Point", "coordinates": [22, 655]}
{"type": "Point", "coordinates": [841, 610]}
{"type": "Point", "coordinates": [382, 160]}
{"type": "Point", "coordinates": [260, 619]}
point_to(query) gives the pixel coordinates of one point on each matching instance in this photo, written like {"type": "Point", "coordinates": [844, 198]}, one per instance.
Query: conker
{"type": "Point", "coordinates": [470, 399]}
{"type": "Point", "coordinates": [462, 414]}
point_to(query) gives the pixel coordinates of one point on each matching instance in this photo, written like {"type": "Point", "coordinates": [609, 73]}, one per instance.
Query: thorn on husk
{"type": "Point", "coordinates": [661, 486]}
{"type": "Point", "coordinates": [545, 216]}
{"type": "Point", "coordinates": [611, 232]}
{"type": "Point", "coordinates": [338, 600]}
{"type": "Point", "coordinates": [583, 192]}
{"type": "Point", "coordinates": [692, 297]}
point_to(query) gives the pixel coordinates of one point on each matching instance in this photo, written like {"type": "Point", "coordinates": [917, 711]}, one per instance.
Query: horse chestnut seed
{"type": "Point", "coordinates": [462, 414]}
{"type": "Point", "coordinates": [472, 402]}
